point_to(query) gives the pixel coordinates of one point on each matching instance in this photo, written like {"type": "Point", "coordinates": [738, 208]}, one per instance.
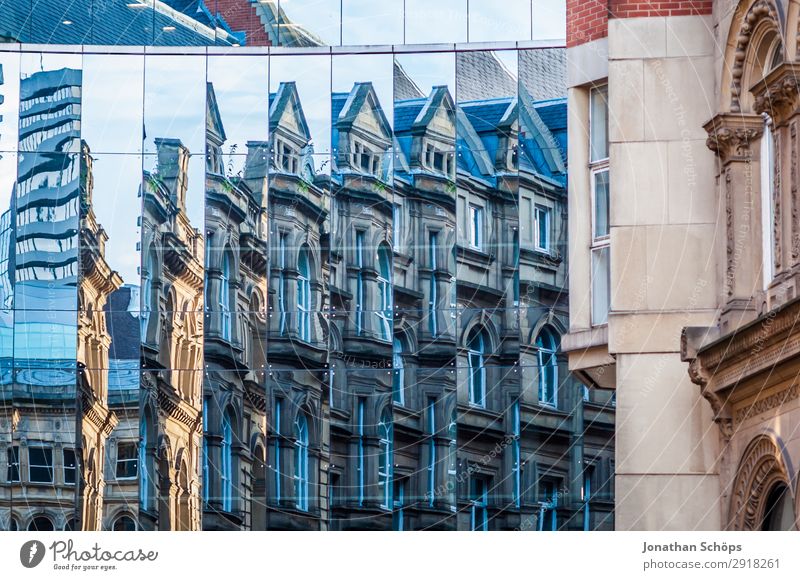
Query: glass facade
{"type": "Point", "coordinates": [285, 289]}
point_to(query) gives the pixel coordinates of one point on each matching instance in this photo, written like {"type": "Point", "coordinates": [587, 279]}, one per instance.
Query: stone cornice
{"type": "Point", "coordinates": [730, 135]}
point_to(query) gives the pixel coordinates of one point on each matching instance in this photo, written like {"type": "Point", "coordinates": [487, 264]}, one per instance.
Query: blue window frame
{"type": "Point", "coordinates": [361, 450]}
{"type": "Point", "coordinates": [476, 362]}
{"type": "Point", "coordinates": [433, 248]}
{"type": "Point", "coordinates": [384, 312]}
{"type": "Point", "coordinates": [385, 470]}
{"type": "Point", "coordinates": [479, 504]}
{"type": "Point", "coordinates": [516, 454]}
{"type": "Point", "coordinates": [360, 283]}
{"type": "Point", "coordinates": [398, 373]}
{"type": "Point", "coordinates": [547, 347]}
{"type": "Point", "coordinates": [226, 471]}
{"type": "Point", "coordinates": [301, 461]}
{"type": "Point", "coordinates": [304, 296]}
{"type": "Point", "coordinates": [225, 296]}
{"type": "Point", "coordinates": [431, 451]}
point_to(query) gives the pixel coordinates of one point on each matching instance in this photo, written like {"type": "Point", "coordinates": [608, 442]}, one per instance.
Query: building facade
{"type": "Point", "coordinates": [290, 290]}
{"type": "Point", "coordinates": [682, 187]}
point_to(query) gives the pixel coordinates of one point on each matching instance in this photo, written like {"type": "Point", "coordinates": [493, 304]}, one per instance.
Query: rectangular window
{"type": "Point", "coordinates": [361, 463]}
{"type": "Point", "coordinates": [516, 455]}
{"type": "Point", "coordinates": [128, 459]}
{"type": "Point", "coordinates": [277, 450]}
{"type": "Point", "coordinates": [601, 204]}
{"type": "Point", "coordinates": [431, 451]}
{"type": "Point", "coordinates": [476, 226]}
{"type": "Point", "coordinates": [70, 466]}
{"type": "Point", "coordinates": [398, 514]}
{"type": "Point", "coordinates": [541, 218]}
{"type": "Point", "coordinates": [397, 225]}
{"type": "Point", "coordinates": [282, 282]}
{"type": "Point", "coordinates": [433, 249]}
{"type": "Point", "coordinates": [548, 501]}
{"type": "Point", "coordinates": [479, 508]}
{"type": "Point", "coordinates": [12, 454]}
{"type": "Point", "coordinates": [40, 465]}
{"type": "Point", "coordinates": [360, 283]}
{"type": "Point", "coordinates": [598, 124]}
{"type": "Point", "coordinates": [601, 283]}
{"type": "Point", "coordinates": [587, 497]}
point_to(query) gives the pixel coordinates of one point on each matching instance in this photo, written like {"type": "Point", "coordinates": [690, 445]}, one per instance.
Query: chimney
{"type": "Point", "coordinates": [256, 168]}
{"type": "Point", "coordinates": [173, 166]}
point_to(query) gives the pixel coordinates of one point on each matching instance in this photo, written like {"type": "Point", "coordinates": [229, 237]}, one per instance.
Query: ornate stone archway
{"type": "Point", "coordinates": [760, 468]}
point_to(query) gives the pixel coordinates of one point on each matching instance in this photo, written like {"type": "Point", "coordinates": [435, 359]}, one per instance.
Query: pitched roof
{"type": "Point", "coordinates": [544, 72]}
{"type": "Point", "coordinates": [480, 75]}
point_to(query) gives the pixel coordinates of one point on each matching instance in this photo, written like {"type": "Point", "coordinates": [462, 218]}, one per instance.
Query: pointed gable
{"type": "Point", "coordinates": [363, 111]}
{"type": "Point", "coordinates": [215, 131]}
{"type": "Point", "coordinates": [286, 114]}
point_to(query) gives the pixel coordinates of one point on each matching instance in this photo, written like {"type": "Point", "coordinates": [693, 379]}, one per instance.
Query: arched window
{"type": "Point", "coordinates": [301, 461]}
{"type": "Point", "coordinates": [779, 513]}
{"type": "Point", "coordinates": [547, 346]}
{"type": "Point", "coordinates": [41, 524]}
{"type": "Point", "coordinates": [13, 526]}
{"type": "Point", "coordinates": [384, 312]}
{"type": "Point", "coordinates": [433, 305]}
{"type": "Point", "coordinates": [476, 361]}
{"type": "Point", "coordinates": [225, 296]}
{"type": "Point", "coordinates": [398, 373]}
{"type": "Point", "coordinates": [385, 459]}
{"type": "Point", "coordinates": [226, 471]}
{"type": "Point", "coordinates": [124, 524]}
{"type": "Point", "coordinates": [304, 296]}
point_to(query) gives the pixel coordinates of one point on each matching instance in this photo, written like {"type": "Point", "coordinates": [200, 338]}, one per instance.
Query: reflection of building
{"type": "Point", "coordinates": [683, 197]}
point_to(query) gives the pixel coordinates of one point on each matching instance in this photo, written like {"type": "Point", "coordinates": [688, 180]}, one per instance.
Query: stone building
{"type": "Point", "coordinates": [682, 188]}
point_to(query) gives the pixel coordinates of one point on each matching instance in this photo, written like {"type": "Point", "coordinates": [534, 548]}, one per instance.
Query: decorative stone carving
{"type": "Point", "coordinates": [778, 98]}
{"type": "Point", "coordinates": [730, 142]}
{"type": "Point", "coordinates": [759, 470]}
{"type": "Point", "coordinates": [777, 216]}
{"type": "Point", "coordinates": [761, 11]}
{"type": "Point", "coordinates": [795, 210]}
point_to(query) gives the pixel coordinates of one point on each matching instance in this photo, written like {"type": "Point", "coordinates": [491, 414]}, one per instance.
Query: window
{"type": "Point", "coordinates": [398, 513]}
{"type": "Point", "coordinates": [144, 483]}
{"type": "Point", "coordinates": [128, 461]}
{"type": "Point", "coordinates": [226, 471]}
{"type": "Point", "coordinates": [124, 524]}
{"type": "Point", "coordinates": [476, 226]}
{"type": "Point", "coordinates": [599, 182]}
{"type": "Point", "coordinates": [301, 461]}
{"type": "Point", "coordinates": [147, 296]}
{"type": "Point", "coordinates": [277, 450]}
{"type": "Point", "coordinates": [40, 464]}
{"type": "Point", "coordinates": [12, 454]}
{"type": "Point", "coordinates": [304, 296]}
{"type": "Point", "coordinates": [69, 466]}
{"type": "Point", "coordinates": [360, 283]}
{"type": "Point", "coordinates": [767, 203]}
{"type": "Point", "coordinates": [548, 502]}
{"type": "Point", "coordinates": [41, 524]}
{"type": "Point", "coordinates": [479, 505]}
{"type": "Point", "coordinates": [70, 525]}
{"type": "Point", "coordinates": [431, 451]}
{"type": "Point", "coordinates": [541, 218]}
{"type": "Point", "coordinates": [433, 248]}
{"type": "Point", "coordinates": [476, 364]}
{"type": "Point", "coordinates": [587, 497]}
{"type": "Point", "coordinates": [206, 480]}
{"type": "Point", "coordinates": [225, 297]}
{"type": "Point", "coordinates": [360, 430]}
{"type": "Point", "coordinates": [384, 312]}
{"type": "Point", "coordinates": [547, 346]}
{"type": "Point", "coordinates": [397, 225]}
{"type": "Point", "coordinates": [779, 512]}
{"type": "Point", "coordinates": [282, 282]}
{"type": "Point", "coordinates": [452, 461]}
{"type": "Point", "coordinates": [385, 460]}
{"type": "Point", "coordinates": [598, 124]}
{"type": "Point", "coordinates": [398, 373]}
{"type": "Point", "coordinates": [516, 459]}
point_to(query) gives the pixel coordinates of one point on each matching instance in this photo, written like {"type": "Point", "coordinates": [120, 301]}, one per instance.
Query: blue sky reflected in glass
{"type": "Point", "coordinates": [428, 70]}
{"type": "Point", "coordinates": [312, 77]}
{"type": "Point", "coordinates": [9, 113]}
{"type": "Point", "coordinates": [375, 68]}
{"type": "Point", "coordinates": [320, 17]}
{"type": "Point", "coordinates": [549, 19]}
{"type": "Point", "coordinates": [371, 22]}
{"type": "Point", "coordinates": [432, 22]}
{"type": "Point", "coordinates": [498, 21]}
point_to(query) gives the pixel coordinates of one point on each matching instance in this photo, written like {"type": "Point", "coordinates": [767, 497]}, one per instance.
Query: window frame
{"type": "Point", "coordinates": [304, 295]}
{"type": "Point", "coordinates": [226, 460]}
{"type": "Point", "coordinates": [45, 449]}
{"type": "Point", "coordinates": [12, 451]}
{"type": "Point", "coordinates": [386, 457]}
{"type": "Point", "coordinates": [550, 351]}
{"type": "Point", "coordinates": [476, 225]}
{"type": "Point", "coordinates": [479, 355]}
{"type": "Point", "coordinates": [599, 243]}
{"type": "Point", "coordinates": [541, 211]}
{"type": "Point", "coordinates": [126, 461]}
{"type": "Point", "coordinates": [301, 461]}
{"type": "Point", "coordinates": [398, 373]}
{"type": "Point", "coordinates": [384, 282]}
{"type": "Point", "coordinates": [479, 505]}
{"type": "Point", "coordinates": [433, 247]}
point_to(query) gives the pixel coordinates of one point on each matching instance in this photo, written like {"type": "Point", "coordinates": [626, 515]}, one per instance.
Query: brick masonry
{"type": "Point", "coordinates": [587, 20]}
{"type": "Point", "coordinates": [241, 16]}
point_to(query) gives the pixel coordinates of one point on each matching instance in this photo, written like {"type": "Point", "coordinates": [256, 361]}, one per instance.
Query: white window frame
{"type": "Point", "coordinates": [361, 463]}
{"type": "Point", "coordinates": [13, 451]}
{"type": "Point", "coordinates": [600, 243]}
{"type": "Point", "coordinates": [767, 179]}
{"type": "Point", "coordinates": [478, 356]}
{"type": "Point", "coordinates": [65, 469]}
{"type": "Point", "coordinates": [282, 281]}
{"type": "Point", "coordinates": [304, 295]}
{"type": "Point", "coordinates": [126, 461]}
{"type": "Point", "coordinates": [477, 223]}
{"type": "Point", "coordinates": [226, 271]}
{"type": "Point", "coordinates": [540, 213]}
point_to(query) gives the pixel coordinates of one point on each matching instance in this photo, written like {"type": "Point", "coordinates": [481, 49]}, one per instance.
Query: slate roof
{"type": "Point", "coordinates": [404, 87]}
{"type": "Point", "coordinates": [544, 73]}
{"type": "Point", "coordinates": [113, 22]}
{"type": "Point", "coordinates": [480, 75]}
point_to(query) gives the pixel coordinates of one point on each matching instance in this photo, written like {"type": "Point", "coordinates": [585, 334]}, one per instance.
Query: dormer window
{"type": "Point", "coordinates": [365, 159]}
{"type": "Point", "coordinates": [286, 157]}
{"type": "Point", "coordinates": [438, 160]}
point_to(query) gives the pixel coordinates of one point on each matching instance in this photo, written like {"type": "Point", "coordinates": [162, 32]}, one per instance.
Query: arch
{"type": "Point", "coordinates": [547, 345]}
{"type": "Point", "coordinates": [41, 523]}
{"type": "Point", "coordinates": [757, 26]}
{"type": "Point", "coordinates": [483, 321]}
{"type": "Point", "coordinates": [760, 470]}
{"type": "Point", "coordinates": [779, 513]}
{"type": "Point", "coordinates": [124, 523]}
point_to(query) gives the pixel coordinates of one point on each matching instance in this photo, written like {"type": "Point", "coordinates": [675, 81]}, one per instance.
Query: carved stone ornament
{"type": "Point", "coordinates": [778, 98]}
{"type": "Point", "coordinates": [731, 136]}
{"type": "Point", "coordinates": [759, 470]}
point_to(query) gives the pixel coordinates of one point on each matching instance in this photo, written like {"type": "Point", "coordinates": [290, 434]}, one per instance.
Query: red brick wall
{"type": "Point", "coordinates": [587, 20]}
{"type": "Point", "coordinates": [241, 16]}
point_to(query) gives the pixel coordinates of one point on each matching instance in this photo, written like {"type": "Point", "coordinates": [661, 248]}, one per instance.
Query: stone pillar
{"type": "Point", "coordinates": [735, 139]}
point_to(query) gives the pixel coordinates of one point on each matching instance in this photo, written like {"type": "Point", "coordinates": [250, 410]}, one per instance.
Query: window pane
{"type": "Point", "coordinates": [549, 19]}
{"type": "Point", "coordinates": [601, 298]}
{"type": "Point", "coordinates": [598, 130]}
{"type": "Point", "coordinates": [601, 204]}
